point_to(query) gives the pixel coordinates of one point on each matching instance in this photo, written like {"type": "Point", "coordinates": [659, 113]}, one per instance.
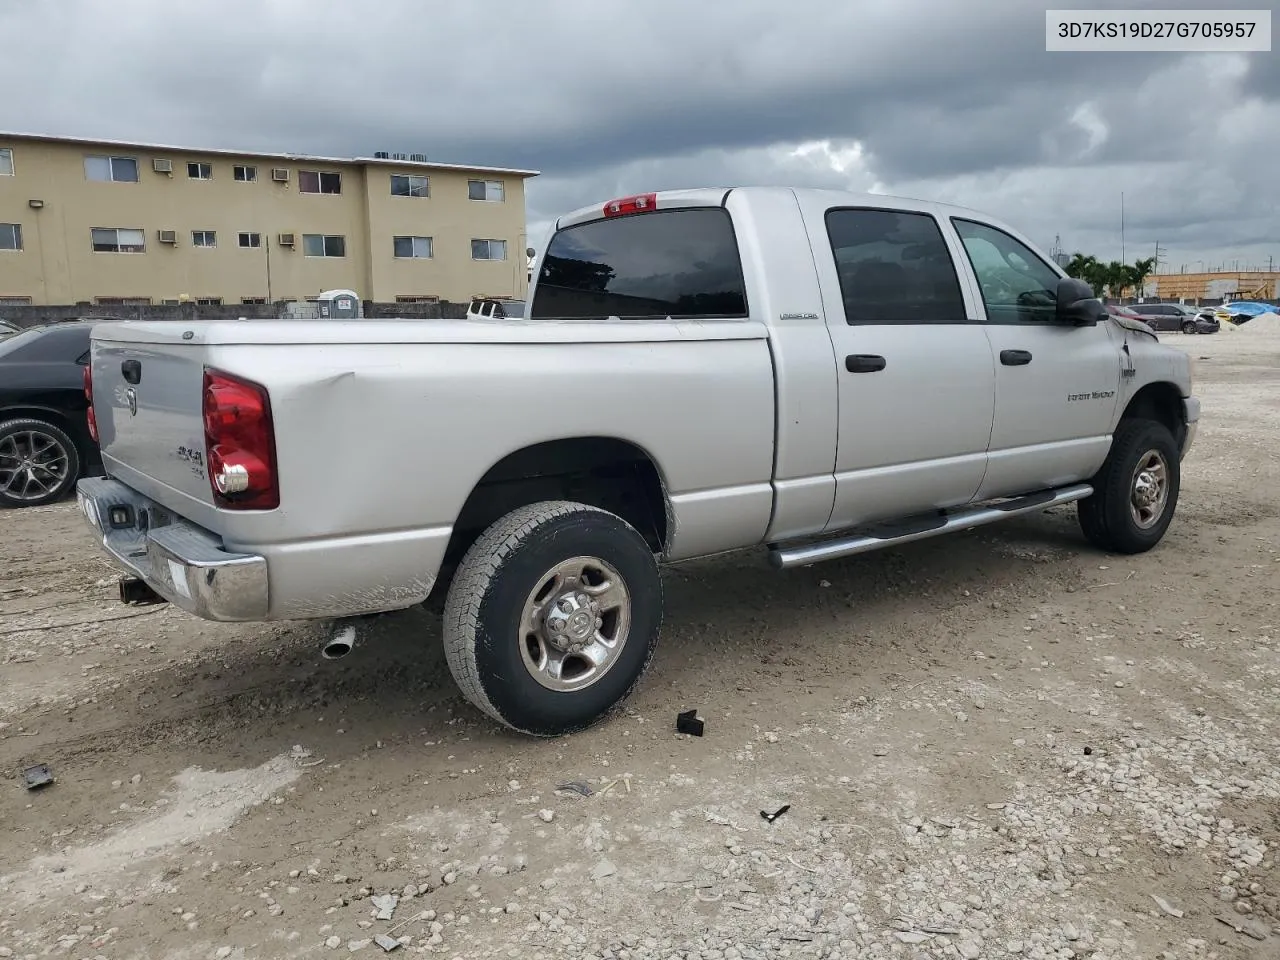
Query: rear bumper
{"type": "Point", "coordinates": [1191, 416]}
{"type": "Point", "coordinates": [183, 563]}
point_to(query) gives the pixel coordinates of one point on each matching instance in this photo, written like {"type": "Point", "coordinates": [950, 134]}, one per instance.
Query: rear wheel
{"type": "Point", "coordinates": [553, 617]}
{"type": "Point", "coordinates": [1136, 491]}
{"type": "Point", "coordinates": [39, 463]}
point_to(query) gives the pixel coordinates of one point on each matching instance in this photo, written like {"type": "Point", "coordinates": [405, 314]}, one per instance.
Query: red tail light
{"type": "Point", "coordinates": [641, 203]}
{"type": "Point", "coordinates": [240, 445]}
{"type": "Point", "coordinates": [88, 395]}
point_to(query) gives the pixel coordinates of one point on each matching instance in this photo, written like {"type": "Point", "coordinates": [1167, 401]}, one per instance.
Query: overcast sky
{"type": "Point", "coordinates": [953, 100]}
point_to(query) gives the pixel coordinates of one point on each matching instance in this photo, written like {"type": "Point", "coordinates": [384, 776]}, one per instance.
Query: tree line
{"type": "Point", "coordinates": [1113, 279]}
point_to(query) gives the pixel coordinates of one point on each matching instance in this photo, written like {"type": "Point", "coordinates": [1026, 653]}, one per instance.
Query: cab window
{"type": "Point", "coordinates": [1017, 286]}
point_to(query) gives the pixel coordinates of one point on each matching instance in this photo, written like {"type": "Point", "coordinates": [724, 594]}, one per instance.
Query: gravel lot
{"type": "Point", "coordinates": [1002, 744]}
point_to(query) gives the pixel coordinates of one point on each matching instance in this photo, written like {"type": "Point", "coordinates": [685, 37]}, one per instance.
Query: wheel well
{"type": "Point", "coordinates": [600, 471]}
{"type": "Point", "coordinates": [78, 432]}
{"type": "Point", "coordinates": [1161, 402]}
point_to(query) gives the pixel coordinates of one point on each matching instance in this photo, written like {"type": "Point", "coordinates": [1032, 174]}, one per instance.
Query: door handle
{"type": "Point", "coordinates": [863, 363]}
{"type": "Point", "coordinates": [132, 370]}
{"type": "Point", "coordinates": [1015, 358]}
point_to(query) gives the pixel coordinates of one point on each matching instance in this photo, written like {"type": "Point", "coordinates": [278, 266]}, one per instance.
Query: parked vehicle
{"type": "Point", "coordinates": [8, 329]}
{"type": "Point", "coordinates": [1116, 310]}
{"type": "Point", "coordinates": [820, 374]}
{"type": "Point", "coordinates": [1174, 316]}
{"type": "Point", "coordinates": [496, 308]}
{"type": "Point", "coordinates": [45, 446]}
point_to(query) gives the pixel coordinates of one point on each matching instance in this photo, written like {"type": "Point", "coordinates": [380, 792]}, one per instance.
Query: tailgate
{"type": "Point", "coordinates": [147, 398]}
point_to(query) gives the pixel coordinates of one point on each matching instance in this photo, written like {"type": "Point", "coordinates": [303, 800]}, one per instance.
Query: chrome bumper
{"type": "Point", "coordinates": [1191, 416]}
{"type": "Point", "coordinates": [183, 563]}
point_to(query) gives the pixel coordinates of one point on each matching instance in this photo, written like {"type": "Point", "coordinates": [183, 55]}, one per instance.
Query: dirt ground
{"type": "Point", "coordinates": [999, 744]}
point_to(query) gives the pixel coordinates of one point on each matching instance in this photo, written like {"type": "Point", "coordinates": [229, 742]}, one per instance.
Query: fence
{"type": "Point", "coordinates": [26, 315]}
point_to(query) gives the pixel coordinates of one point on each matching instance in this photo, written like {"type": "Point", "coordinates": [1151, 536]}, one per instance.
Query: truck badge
{"type": "Point", "coordinates": [133, 402]}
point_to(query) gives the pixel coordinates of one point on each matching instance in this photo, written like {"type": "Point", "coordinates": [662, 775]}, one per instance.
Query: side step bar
{"type": "Point", "coordinates": [879, 536]}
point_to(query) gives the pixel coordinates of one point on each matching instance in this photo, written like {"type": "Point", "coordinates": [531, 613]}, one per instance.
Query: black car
{"type": "Point", "coordinates": [1174, 316]}
{"type": "Point", "coordinates": [45, 446]}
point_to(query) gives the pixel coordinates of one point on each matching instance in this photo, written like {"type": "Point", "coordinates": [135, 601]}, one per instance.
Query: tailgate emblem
{"type": "Point", "coordinates": [133, 402]}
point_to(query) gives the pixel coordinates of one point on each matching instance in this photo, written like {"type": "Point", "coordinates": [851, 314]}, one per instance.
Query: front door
{"type": "Point", "coordinates": [1056, 386]}
{"type": "Point", "coordinates": [916, 379]}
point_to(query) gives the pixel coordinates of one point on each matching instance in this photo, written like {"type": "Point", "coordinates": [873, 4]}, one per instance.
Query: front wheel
{"type": "Point", "coordinates": [1189, 327]}
{"type": "Point", "coordinates": [1136, 491]}
{"type": "Point", "coordinates": [553, 617]}
{"type": "Point", "coordinates": [39, 463]}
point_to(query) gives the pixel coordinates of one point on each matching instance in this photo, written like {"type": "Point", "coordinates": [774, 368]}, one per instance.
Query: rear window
{"type": "Point", "coordinates": [667, 263]}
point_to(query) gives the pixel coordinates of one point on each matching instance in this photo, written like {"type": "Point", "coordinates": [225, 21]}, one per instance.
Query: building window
{"type": "Point", "coordinates": [6, 162]}
{"type": "Point", "coordinates": [415, 248]}
{"type": "Point", "coordinates": [488, 249]}
{"type": "Point", "coordinates": [486, 190]}
{"type": "Point", "coordinates": [170, 303]}
{"type": "Point", "coordinates": [209, 301]}
{"type": "Point", "coordinates": [243, 174]}
{"type": "Point", "coordinates": [312, 181]}
{"type": "Point", "coordinates": [320, 245]}
{"type": "Point", "coordinates": [15, 301]}
{"type": "Point", "coordinates": [252, 301]}
{"type": "Point", "coordinates": [119, 169]}
{"type": "Point", "coordinates": [406, 186]}
{"type": "Point", "coordinates": [122, 301]}
{"type": "Point", "coordinates": [199, 171]}
{"type": "Point", "coordinates": [250, 239]}
{"type": "Point", "coordinates": [204, 238]}
{"type": "Point", "coordinates": [10, 236]}
{"type": "Point", "coordinates": [118, 240]}
{"type": "Point", "coordinates": [417, 298]}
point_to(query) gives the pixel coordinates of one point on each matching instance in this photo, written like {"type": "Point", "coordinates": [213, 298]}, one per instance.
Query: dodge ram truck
{"type": "Point", "coordinates": [818, 374]}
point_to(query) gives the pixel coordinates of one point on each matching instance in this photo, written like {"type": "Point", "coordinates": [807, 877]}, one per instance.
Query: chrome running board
{"type": "Point", "coordinates": [894, 532]}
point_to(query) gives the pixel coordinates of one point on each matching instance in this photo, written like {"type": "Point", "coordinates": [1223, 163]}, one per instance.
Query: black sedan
{"type": "Point", "coordinates": [45, 446]}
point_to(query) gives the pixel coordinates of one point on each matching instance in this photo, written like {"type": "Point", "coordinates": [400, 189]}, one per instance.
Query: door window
{"type": "Point", "coordinates": [1017, 286]}
{"type": "Point", "coordinates": [894, 267]}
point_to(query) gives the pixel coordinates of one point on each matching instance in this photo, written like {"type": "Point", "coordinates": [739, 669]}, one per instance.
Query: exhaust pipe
{"type": "Point", "coordinates": [340, 644]}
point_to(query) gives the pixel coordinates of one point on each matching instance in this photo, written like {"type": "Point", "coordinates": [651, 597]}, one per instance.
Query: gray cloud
{"type": "Point", "coordinates": [956, 101]}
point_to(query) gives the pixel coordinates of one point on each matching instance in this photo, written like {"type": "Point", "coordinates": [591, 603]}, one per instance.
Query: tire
{"type": "Point", "coordinates": [46, 477]}
{"type": "Point", "coordinates": [1112, 518]}
{"type": "Point", "coordinates": [1189, 327]}
{"type": "Point", "coordinates": [503, 669]}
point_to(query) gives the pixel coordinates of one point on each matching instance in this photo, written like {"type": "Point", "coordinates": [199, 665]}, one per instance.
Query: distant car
{"type": "Point", "coordinates": [496, 308]}
{"type": "Point", "coordinates": [8, 329]}
{"type": "Point", "coordinates": [1173, 316]}
{"type": "Point", "coordinates": [45, 445]}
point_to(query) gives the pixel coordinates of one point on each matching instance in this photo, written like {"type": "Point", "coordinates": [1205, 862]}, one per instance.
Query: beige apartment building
{"type": "Point", "coordinates": [108, 222]}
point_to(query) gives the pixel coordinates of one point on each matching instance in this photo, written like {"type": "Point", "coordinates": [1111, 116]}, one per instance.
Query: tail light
{"type": "Point", "coordinates": [88, 395]}
{"type": "Point", "coordinates": [240, 445]}
{"type": "Point", "coordinates": [640, 203]}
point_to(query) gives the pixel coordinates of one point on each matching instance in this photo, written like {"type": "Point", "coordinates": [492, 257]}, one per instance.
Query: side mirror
{"type": "Point", "coordinates": [1076, 304]}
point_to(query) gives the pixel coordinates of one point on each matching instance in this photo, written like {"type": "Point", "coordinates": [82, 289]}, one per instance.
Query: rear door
{"type": "Point", "coordinates": [916, 379]}
{"type": "Point", "coordinates": [1056, 386]}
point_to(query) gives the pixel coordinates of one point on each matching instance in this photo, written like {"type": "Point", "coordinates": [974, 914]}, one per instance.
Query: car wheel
{"type": "Point", "coordinates": [1189, 327]}
{"type": "Point", "coordinates": [553, 617]}
{"type": "Point", "coordinates": [39, 463]}
{"type": "Point", "coordinates": [1136, 491]}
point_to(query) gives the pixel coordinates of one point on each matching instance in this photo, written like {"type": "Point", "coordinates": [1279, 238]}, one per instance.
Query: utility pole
{"type": "Point", "coordinates": [1156, 266]}
{"type": "Point", "coordinates": [1122, 226]}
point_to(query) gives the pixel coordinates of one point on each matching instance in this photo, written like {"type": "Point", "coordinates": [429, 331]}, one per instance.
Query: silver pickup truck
{"type": "Point", "coordinates": [816, 373]}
